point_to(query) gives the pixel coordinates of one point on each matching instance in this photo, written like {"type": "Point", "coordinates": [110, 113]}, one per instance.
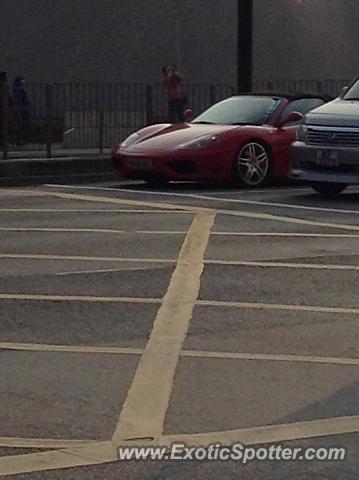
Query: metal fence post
{"type": "Point", "coordinates": [212, 94]}
{"type": "Point", "coordinates": [320, 86]}
{"type": "Point", "coordinates": [4, 123]}
{"type": "Point", "coordinates": [101, 128]}
{"type": "Point", "coordinates": [149, 104]}
{"type": "Point", "coordinates": [49, 105]}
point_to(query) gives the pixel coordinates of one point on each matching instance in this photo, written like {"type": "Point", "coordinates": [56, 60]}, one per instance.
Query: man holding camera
{"type": "Point", "coordinates": [173, 81]}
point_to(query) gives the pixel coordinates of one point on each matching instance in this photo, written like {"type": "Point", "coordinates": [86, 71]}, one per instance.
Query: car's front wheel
{"type": "Point", "coordinates": [253, 165]}
{"type": "Point", "coordinates": [327, 189]}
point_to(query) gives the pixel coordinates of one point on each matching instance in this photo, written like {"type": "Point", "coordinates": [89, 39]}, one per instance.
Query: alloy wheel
{"type": "Point", "coordinates": [253, 164]}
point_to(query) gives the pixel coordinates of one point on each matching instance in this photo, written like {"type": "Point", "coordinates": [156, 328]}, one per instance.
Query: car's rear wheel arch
{"type": "Point", "coordinates": [270, 156]}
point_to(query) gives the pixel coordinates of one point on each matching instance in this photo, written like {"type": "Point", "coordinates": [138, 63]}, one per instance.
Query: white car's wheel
{"type": "Point", "coordinates": [253, 166]}
{"type": "Point", "coordinates": [327, 189]}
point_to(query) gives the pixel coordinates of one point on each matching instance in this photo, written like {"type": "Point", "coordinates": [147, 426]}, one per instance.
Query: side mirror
{"type": "Point", "coordinates": [188, 115]}
{"type": "Point", "coordinates": [293, 117]}
{"type": "Point", "coordinates": [344, 91]}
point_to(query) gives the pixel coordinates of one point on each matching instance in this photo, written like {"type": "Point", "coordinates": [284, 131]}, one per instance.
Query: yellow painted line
{"type": "Point", "coordinates": [270, 306]}
{"type": "Point", "coordinates": [262, 216]}
{"type": "Point", "coordinates": [15, 442]}
{"type": "Point", "coordinates": [338, 361]}
{"type": "Point", "coordinates": [144, 410]}
{"type": "Point", "coordinates": [78, 298]}
{"type": "Point", "coordinates": [120, 201]}
{"type": "Point", "coordinates": [36, 347]}
{"type": "Point", "coordinates": [193, 208]}
{"type": "Point", "coordinates": [101, 453]}
{"type": "Point", "coordinates": [84, 258]}
{"type": "Point", "coordinates": [7, 192]}
{"type": "Point", "coordinates": [310, 266]}
{"type": "Point", "coordinates": [284, 219]}
{"type": "Point", "coordinates": [272, 433]}
{"type": "Point", "coordinates": [97, 453]}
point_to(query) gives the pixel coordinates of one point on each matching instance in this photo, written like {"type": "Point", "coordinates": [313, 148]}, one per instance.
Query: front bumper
{"type": "Point", "coordinates": [186, 166]}
{"type": "Point", "coordinates": [304, 165]}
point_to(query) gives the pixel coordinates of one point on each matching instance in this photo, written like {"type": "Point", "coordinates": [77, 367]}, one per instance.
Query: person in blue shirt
{"type": "Point", "coordinates": [23, 106]}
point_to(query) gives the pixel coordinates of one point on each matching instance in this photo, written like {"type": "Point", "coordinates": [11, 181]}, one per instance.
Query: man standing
{"type": "Point", "coordinates": [22, 104]}
{"type": "Point", "coordinates": [173, 81]}
{"type": "Point", "coordinates": [4, 109]}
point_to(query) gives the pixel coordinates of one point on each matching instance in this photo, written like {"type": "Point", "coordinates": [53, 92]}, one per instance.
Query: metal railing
{"type": "Point", "coordinates": [98, 116]}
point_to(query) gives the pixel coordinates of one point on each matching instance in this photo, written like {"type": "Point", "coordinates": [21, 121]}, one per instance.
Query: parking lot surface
{"type": "Point", "coordinates": [191, 314]}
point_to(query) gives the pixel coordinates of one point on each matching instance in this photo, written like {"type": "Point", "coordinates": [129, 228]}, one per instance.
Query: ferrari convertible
{"type": "Point", "coordinates": [244, 138]}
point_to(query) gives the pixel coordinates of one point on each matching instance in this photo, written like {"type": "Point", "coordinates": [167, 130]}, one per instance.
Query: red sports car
{"type": "Point", "coordinates": [244, 138]}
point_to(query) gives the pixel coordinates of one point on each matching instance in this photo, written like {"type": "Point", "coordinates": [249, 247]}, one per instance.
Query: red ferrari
{"type": "Point", "coordinates": [244, 138]}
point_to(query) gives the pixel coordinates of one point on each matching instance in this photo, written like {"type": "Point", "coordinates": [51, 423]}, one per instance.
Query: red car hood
{"type": "Point", "coordinates": [173, 136]}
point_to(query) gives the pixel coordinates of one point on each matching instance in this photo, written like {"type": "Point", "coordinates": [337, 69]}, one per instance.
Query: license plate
{"type": "Point", "coordinates": [327, 158]}
{"type": "Point", "coordinates": [140, 164]}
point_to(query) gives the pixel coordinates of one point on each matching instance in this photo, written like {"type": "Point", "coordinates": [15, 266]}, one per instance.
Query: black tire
{"type": "Point", "coordinates": [327, 189]}
{"type": "Point", "coordinates": [253, 165]}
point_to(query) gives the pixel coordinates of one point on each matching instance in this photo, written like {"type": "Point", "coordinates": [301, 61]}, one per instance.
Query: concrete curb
{"type": "Point", "coordinates": [29, 171]}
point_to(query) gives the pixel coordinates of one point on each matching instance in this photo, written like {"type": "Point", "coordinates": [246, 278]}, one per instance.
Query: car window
{"type": "Point", "coordinates": [303, 106]}
{"type": "Point", "coordinates": [353, 92]}
{"type": "Point", "coordinates": [245, 110]}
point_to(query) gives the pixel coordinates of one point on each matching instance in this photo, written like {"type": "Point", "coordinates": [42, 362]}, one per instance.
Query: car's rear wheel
{"type": "Point", "coordinates": [327, 189]}
{"type": "Point", "coordinates": [253, 165]}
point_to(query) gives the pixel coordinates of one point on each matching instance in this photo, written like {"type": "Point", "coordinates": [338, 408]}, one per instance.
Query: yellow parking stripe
{"type": "Point", "coordinates": [272, 433]}
{"type": "Point", "coordinates": [153, 380]}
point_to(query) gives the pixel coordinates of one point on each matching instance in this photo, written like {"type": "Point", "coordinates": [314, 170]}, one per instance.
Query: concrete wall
{"type": "Point", "coordinates": [117, 40]}
{"type": "Point", "coordinates": [316, 40]}
{"type": "Point", "coordinates": [129, 40]}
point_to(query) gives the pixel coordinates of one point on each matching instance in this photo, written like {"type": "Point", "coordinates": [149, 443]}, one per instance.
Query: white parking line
{"type": "Point", "coordinates": [211, 198]}
{"type": "Point", "coordinates": [108, 210]}
{"type": "Point", "coordinates": [79, 349]}
{"type": "Point", "coordinates": [173, 232]}
{"type": "Point", "coordinates": [111, 270]}
{"type": "Point", "coordinates": [277, 205]}
{"type": "Point", "coordinates": [272, 306]}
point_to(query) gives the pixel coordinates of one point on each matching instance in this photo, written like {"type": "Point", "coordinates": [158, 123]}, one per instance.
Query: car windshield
{"type": "Point", "coordinates": [246, 110]}
{"type": "Point", "coordinates": [353, 92]}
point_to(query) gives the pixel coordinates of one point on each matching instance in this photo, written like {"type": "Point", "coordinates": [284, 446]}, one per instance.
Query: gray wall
{"type": "Point", "coordinates": [129, 40]}
{"type": "Point", "coordinates": [117, 40]}
{"type": "Point", "coordinates": [316, 40]}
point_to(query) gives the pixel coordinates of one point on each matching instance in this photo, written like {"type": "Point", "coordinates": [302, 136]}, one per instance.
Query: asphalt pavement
{"type": "Point", "coordinates": [132, 316]}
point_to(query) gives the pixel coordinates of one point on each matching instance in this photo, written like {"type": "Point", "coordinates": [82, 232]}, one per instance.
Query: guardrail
{"type": "Point", "coordinates": [97, 116]}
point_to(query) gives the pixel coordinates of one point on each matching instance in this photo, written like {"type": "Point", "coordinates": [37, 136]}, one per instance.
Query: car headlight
{"type": "Point", "coordinates": [130, 140]}
{"type": "Point", "coordinates": [200, 142]}
{"type": "Point", "coordinates": [302, 133]}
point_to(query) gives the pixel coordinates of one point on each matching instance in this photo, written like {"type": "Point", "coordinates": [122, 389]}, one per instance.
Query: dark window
{"type": "Point", "coordinates": [303, 106]}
